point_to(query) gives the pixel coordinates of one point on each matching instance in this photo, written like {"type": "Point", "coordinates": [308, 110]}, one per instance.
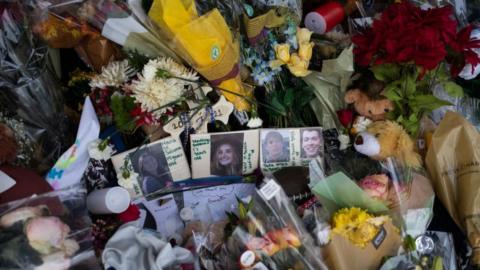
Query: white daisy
{"type": "Point", "coordinates": [127, 179]}
{"type": "Point", "coordinates": [255, 122]}
{"type": "Point", "coordinates": [344, 141]}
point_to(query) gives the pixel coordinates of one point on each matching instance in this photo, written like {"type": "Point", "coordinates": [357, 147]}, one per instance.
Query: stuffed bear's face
{"type": "Point", "coordinates": [365, 106]}
{"type": "Point", "coordinates": [385, 139]}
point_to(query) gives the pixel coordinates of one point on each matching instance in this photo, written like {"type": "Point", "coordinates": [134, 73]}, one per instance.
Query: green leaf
{"type": "Point", "coordinates": [428, 102]}
{"type": "Point", "coordinates": [278, 106]}
{"type": "Point", "coordinates": [408, 83]}
{"type": "Point", "coordinates": [453, 89]}
{"type": "Point", "coordinates": [289, 97]}
{"type": "Point", "coordinates": [386, 72]}
{"type": "Point", "coordinates": [242, 211]}
{"type": "Point", "coordinates": [392, 92]}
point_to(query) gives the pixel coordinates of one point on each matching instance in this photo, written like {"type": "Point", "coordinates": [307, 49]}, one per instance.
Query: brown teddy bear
{"type": "Point", "coordinates": [367, 99]}
{"type": "Point", "coordinates": [384, 139]}
{"type": "Point", "coordinates": [374, 109]}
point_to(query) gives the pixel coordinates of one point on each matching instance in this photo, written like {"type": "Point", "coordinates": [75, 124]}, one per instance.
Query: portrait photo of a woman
{"type": "Point", "coordinates": [151, 165]}
{"type": "Point", "coordinates": [275, 147]}
{"type": "Point", "coordinates": [226, 154]}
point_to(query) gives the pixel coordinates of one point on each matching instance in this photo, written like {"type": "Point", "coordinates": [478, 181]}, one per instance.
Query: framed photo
{"type": "Point", "coordinates": [224, 154]}
{"type": "Point", "coordinates": [281, 148]}
{"type": "Point", "coordinates": [159, 165]}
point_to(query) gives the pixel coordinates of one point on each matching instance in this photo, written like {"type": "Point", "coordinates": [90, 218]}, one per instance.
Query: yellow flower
{"type": "Point", "coordinates": [297, 66]}
{"type": "Point", "coordinates": [283, 52]}
{"type": "Point", "coordinates": [305, 50]}
{"type": "Point", "coordinates": [303, 35]}
{"type": "Point", "coordinates": [356, 225]}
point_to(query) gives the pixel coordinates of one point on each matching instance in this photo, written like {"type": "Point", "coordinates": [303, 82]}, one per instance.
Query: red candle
{"type": "Point", "coordinates": [325, 17]}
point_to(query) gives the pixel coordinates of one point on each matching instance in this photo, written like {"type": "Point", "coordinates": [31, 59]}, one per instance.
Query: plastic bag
{"type": "Point", "coordinates": [29, 89]}
{"type": "Point", "coordinates": [268, 234]}
{"type": "Point", "coordinates": [50, 231]}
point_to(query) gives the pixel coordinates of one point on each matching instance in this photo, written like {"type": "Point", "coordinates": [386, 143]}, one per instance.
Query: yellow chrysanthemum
{"type": "Point", "coordinates": [356, 225]}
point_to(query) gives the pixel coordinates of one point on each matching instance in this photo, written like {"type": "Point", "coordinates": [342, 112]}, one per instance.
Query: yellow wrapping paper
{"type": "Point", "coordinates": [205, 42]}
{"type": "Point", "coordinates": [255, 26]}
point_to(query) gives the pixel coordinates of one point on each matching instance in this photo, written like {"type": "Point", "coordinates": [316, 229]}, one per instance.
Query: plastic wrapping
{"type": "Point", "coordinates": [379, 187]}
{"type": "Point", "coordinates": [433, 249]}
{"type": "Point", "coordinates": [50, 231]}
{"type": "Point", "coordinates": [29, 89]}
{"type": "Point", "coordinates": [269, 234]}
{"type": "Point", "coordinates": [122, 23]}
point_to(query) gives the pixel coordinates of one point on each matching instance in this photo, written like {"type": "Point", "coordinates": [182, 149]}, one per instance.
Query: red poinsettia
{"type": "Point", "coordinates": [132, 213]}
{"type": "Point", "coordinates": [463, 51]}
{"type": "Point", "coordinates": [406, 33]}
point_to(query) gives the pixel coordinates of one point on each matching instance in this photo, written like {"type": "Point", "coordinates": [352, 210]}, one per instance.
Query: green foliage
{"type": "Point", "coordinates": [137, 60]}
{"type": "Point", "coordinates": [121, 107]}
{"type": "Point", "coordinates": [411, 92]}
{"type": "Point", "coordinates": [288, 105]}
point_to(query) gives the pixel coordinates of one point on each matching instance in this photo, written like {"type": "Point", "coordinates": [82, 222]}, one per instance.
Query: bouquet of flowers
{"type": "Point", "coordinates": [266, 233]}
{"type": "Point", "coordinates": [411, 51]}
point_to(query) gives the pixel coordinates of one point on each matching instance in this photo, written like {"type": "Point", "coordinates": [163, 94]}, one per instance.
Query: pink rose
{"type": "Point", "coordinates": [45, 233]}
{"type": "Point", "coordinates": [376, 186]}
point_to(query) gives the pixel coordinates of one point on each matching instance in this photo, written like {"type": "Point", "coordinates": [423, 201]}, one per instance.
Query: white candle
{"type": "Point", "coordinates": [108, 201]}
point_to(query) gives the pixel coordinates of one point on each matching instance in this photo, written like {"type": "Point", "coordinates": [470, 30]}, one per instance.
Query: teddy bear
{"type": "Point", "coordinates": [386, 138]}
{"type": "Point", "coordinates": [367, 99]}
{"type": "Point", "coordinates": [374, 109]}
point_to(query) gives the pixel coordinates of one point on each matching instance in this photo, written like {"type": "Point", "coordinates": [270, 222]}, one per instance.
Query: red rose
{"type": "Point", "coordinates": [345, 116]}
{"type": "Point", "coordinates": [132, 213]}
{"type": "Point", "coordinates": [405, 33]}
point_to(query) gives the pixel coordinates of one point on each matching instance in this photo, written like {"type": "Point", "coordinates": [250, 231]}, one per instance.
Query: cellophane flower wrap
{"type": "Point", "coordinates": [49, 231]}
{"type": "Point", "coordinates": [29, 88]}
{"type": "Point", "coordinates": [268, 227]}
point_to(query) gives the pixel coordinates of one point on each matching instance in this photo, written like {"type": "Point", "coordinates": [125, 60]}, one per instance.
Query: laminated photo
{"type": "Point", "coordinates": [159, 165]}
{"type": "Point", "coordinates": [281, 148]}
{"type": "Point", "coordinates": [224, 154]}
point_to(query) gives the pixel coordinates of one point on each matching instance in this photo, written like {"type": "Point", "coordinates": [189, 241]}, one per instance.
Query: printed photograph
{"type": "Point", "coordinates": [226, 154]}
{"type": "Point", "coordinates": [311, 143]}
{"type": "Point", "coordinates": [152, 167]}
{"type": "Point", "coordinates": [275, 146]}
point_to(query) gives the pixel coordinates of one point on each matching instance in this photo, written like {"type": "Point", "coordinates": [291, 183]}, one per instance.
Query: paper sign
{"type": "Point", "coordinates": [199, 121]}
{"type": "Point", "coordinates": [158, 165]}
{"type": "Point", "coordinates": [281, 148]}
{"type": "Point", "coordinates": [212, 202]}
{"type": "Point", "coordinates": [270, 189]}
{"type": "Point", "coordinates": [224, 154]}
{"type": "Point", "coordinates": [6, 182]}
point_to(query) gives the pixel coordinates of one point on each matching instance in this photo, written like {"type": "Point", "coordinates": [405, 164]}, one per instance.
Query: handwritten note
{"type": "Point", "coordinates": [212, 202]}
{"type": "Point", "coordinates": [199, 121]}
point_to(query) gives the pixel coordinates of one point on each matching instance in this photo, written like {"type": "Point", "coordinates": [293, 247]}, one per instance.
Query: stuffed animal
{"type": "Point", "coordinates": [387, 139]}
{"type": "Point", "coordinates": [374, 109]}
{"type": "Point", "coordinates": [366, 96]}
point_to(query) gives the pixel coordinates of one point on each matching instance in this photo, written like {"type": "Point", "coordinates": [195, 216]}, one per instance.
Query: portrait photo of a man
{"type": "Point", "coordinates": [312, 143]}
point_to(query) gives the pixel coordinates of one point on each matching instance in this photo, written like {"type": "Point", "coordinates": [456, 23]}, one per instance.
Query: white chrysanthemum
{"type": "Point", "coordinates": [96, 153]}
{"type": "Point", "coordinates": [114, 74]}
{"type": "Point", "coordinates": [153, 92]}
{"type": "Point", "coordinates": [127, 179]}
{"type": "Point", "coordinates": [344, 141]}
{"type": "Point", "coordinates": [361, 124]}
{"type": "Point", "coordinates": [255, 122]}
